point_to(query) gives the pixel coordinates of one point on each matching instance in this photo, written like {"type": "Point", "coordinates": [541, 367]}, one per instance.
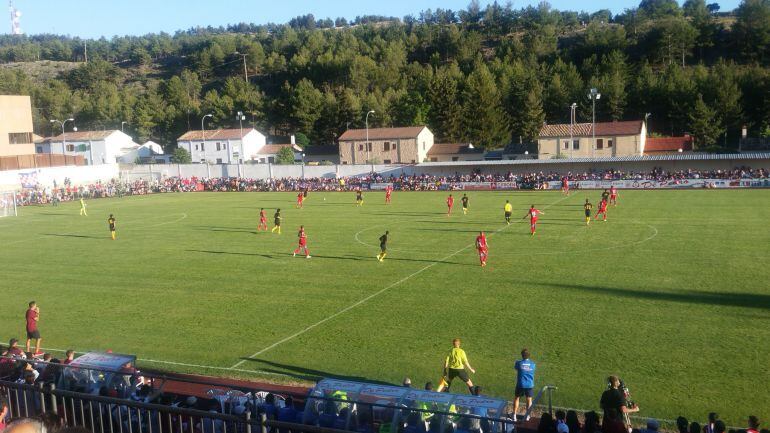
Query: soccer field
{"type": "Point", "coordinates": [672, 293]}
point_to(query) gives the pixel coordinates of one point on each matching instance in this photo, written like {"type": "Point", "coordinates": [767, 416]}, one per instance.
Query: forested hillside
{"type": "Point", "coordinates": [489, 75]}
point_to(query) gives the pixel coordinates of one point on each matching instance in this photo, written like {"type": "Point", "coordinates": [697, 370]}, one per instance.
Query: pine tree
{"type": "Point", "coordinates": [704, 124]}
{"type": "Point", "coordinates": [445, 113]}
{"type": "Point", "coordinates": [484, 119]}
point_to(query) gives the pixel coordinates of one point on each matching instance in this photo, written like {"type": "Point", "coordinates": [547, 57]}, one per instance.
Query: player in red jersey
{"type": "Point", "coordinates": [533, 214]}
{"type": "Point", "coordinates": [262, 220]}
{"type": "Point", "coordinates": [565, 185]}
{"type": "Point", "coordinates": [602, 210]}
{"type": "Point", "coordinates": [450, 201]}
{"type": "Point", "coordinates": [483, 248]}
{"type": "Point", "coordinates": [300, 199]}
{"type": "Point", "coordinates": [388, 192]}
{"type": "Point", "coordinates": [302, 242]}
{"type": "Point", "coordinates": [613, 195]}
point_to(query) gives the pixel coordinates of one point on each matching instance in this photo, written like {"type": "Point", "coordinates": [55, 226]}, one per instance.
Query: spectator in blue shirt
{"type": "Point", "coordinates": [525, 380]}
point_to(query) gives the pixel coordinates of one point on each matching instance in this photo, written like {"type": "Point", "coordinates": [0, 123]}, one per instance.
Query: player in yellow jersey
{"type": "Point", "coordinates": [111, 222]}
{"type": "Point", "coordinates": [277, 221]}
{"type": "Point", "coordinates": [454, 366]}
{"type": "Point", "coordinates": [508, 209]}
{"type": "Point", "coordinates": [587, 207]}
{"type": "Point", "coordinates": [83, 207]}
{"type": "Point", "coordinates": [383, 246]}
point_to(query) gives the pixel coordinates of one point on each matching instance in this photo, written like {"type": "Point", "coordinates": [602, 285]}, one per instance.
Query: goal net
{"type": "Point", "coordinates": [7, 203]}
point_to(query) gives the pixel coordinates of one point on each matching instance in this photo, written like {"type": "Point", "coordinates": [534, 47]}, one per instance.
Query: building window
{"type": "Point", "coordinates": [412, 161]}
{"type": "Point", "coordinates": [576, 145]}
{"type": "Point", "coordinates": [360, 147]}
{"type": "Point", "coordinates": [196, 147]}
{"type": "Point", "coordinates": [386, 146]}
{"type": "Point", "coordinates": [369, 147]}
{"type": "Point", "coordinates": [609, 143]}
{"type": "Point", "coordinates": [600, 143]}
{"type": "Point", "coordinates": [70, 148]}
{"type": "Point", "coordinates": [219, 160]}
{"type": "Point", "coordinates": [19, 137]}
{"type": "Point", "coordinates": [270, 159]}
{"type": "Point", "coordinates": [434, 159]}
{"type": "Point", "coordinates": [387, 161]}
{"type": "Point", "coordinates": [455, 158]}
{"type": "Point", "coordinates": [203, 146]}
{"type": "Point", "coordinates": [566, 145]}
{"type": "Point", "coordinates": [219, 145]}
{"type": "Point", "coordinates": [203, 161]}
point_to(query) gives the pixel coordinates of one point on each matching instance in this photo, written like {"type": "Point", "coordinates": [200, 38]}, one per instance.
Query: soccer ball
{"type": "Point", "coordinates": [324, 198]}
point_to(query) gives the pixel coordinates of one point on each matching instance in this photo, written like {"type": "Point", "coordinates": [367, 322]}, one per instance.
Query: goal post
{"type": "Point", "coordinates": [7, 203]}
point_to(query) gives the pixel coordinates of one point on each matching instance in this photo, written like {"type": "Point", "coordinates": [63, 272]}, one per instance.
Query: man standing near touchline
{"type": "Point", "coordinates": [525, 381]}
{"type": "Point", "coordinates": [32, 316]}
{"type": "Point", "coordinates": [614, 398]}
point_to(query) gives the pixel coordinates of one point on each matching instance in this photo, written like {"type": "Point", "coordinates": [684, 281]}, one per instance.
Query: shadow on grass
{"type": "Point", "coordinates": [389, 258]}
{"type": "Point", "coordinates": [232, 253]}
{"type": "Point", "coordinates": [225, 229]}
{"type": "Point", "coordinates": [445, 230]}
{"type": "Point", "coordinates": [63, 235]}
{"type": "Point", "coordinates": [727, 299]}
{"type": "Point", "coordinates": [304, 373]}
{"type": "Point", "coordinates": [463, 222]}
{"type": "Point", "coordinates": [415, 214]}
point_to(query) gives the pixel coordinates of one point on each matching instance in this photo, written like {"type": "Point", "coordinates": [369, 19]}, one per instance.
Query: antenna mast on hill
{"type": "Point", "coordinates": [15, 18]}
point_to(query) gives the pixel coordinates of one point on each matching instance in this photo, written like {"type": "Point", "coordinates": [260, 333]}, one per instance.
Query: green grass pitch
{"type": "Point", "coordinates": [672, 293]}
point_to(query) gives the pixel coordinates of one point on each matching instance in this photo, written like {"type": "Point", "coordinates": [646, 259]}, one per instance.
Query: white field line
{"type": "Point", "coordinates": [183, 364]}
{"type": "Point", "coordinates": [373, 295]}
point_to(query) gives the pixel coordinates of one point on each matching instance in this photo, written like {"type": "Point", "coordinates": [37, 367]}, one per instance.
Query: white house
{"type": "Point", "coordinates": [149, 152]}
{"type": "Point", "coordinates": [223, 146]}
{"type": "Point", "coordinates": [97, 147]}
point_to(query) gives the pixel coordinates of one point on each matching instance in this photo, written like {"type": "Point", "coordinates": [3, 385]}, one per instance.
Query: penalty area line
{"type": "Point", "coordinates": [368, 298]}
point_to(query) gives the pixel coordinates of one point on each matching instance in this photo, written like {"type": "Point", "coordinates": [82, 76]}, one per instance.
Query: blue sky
{"type": "Point", "coordinates": [95, 18]}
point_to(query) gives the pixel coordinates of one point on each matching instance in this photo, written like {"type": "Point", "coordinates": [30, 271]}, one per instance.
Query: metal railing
{"type": "Point", "coordinates": [548, 390]}
{"type": "Point", "coordinates": [101, 414]}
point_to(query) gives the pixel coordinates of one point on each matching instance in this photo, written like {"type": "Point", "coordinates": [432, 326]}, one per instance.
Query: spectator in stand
{"type": "Point", "coordinates": [614, 398]}
{"type": "Point", "coordinates": [695, 427]}
{"type": "Point", "coordinates": [713, 418]}
{"type": "Point", "coordinates": [652, 426]}
{"type": "Point", "coordinates": [753, 425]}
{"type": "Point", "coordinates": [719, 426]}
{"type": "Point", "coordinates": [612, 422]}
{"type": "Point", "coordinates": [287, 413]}
{"type": "Point", "coordinates": [572, 421]}
{"type": "Point", "coordinates": [592, 423]}
{"type": "Point", "coordinates": [32, 316]}
{"type": "Point", "coordinates": [268, 407]}
{"type": "Point", "coordinates": [682, 424]}
{"type": "Point", "coordinates": [69, 357]}
{"type": "Point", "coordinates": [525, 381]}
{"type": "Point", "coordinates": [407, 383]}
{"type": "Point", "coordinates": [51, 420]}
{"type": "Point", "coordinates": [546, 424]}
{"type": "Point", "coordinates": [25, 425]}
{"type": "Point", "coordinates": [14, 349]}
{"type": "Point", "coordinates": [561, 422]}
{"type": "Point", "coordinates": [4, 412]}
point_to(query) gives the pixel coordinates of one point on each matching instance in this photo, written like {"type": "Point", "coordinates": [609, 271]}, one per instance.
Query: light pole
{"type": "Point", "coordinates": [63, 135]}
{"type": "Point", "coordinates": [571, 128]}
{"type": "Point", "coordinates": [303, 165]}
{"type": "Point", "coordinates": [367, 133]}
{"type": "Point", "coordinates": [121, 125]}
{"type": "Point", "coordinates": [245, 73]}
{"type": "Point", "coordinates": [593, 96]}
{"type": "Point", "coordinates": [646, 127]}
{"type": "Point", "coordinates": [203, 136]}
{"type": "Point", "coordinates": [241, 117]}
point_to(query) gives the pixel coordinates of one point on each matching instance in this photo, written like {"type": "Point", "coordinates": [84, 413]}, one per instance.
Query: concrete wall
{"type": "Point", "coordinates": [9, 180]}
{"type": "Point", "coordinates": [15, 117]}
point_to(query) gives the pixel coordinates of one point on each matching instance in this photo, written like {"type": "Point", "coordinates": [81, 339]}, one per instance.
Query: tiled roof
{"type": "Point", "coordinates": [692, 156]}
{"type": "Point", "coordinates": [273, 149]}
{"type": "Point", "coordinates": [331, 149]}
{"type": "Point", "coordinates": [382, 133]}
{"type": "Point", "coordinates": [215, 134]}
{"type": "Point", "coordinates": [83, 135]}
{"type": "Point", "coordinates": [668, 144]}
{"type": "Point", "coordinates": [630, 127]}
{"type": "Point", "coordinates": [452, 149]}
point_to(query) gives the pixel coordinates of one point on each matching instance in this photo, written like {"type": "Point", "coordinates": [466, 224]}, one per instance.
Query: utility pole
{"type": "Point", "coordinates": [85, 45]}
{"type": "Point", "coordinates": [245, 71]}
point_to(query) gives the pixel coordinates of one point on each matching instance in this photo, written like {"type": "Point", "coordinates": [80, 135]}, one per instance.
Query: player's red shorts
{"type": "Point", "coordinates": [533, 221]}
{"type": "Point", "coordinates": [302, 243]}
{"type": "Point", "coordinates": [613, 196]}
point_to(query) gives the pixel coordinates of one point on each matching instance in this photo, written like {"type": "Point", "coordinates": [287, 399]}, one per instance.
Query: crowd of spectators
{"type": "Point", "coordinates": [422, 182]}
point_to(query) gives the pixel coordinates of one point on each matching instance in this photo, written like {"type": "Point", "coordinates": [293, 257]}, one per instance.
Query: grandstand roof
{"type": "Point", "coordinates": [634, 158]}
{"type": "Point", "coordinates": [630, 127]}
{"type": "Point", "coordinates": [382, 133]}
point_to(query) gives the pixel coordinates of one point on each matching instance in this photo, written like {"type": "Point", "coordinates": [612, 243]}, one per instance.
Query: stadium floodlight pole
{"type": "Point", "coordinates": [63, 134]}
{"type": "Point", "coordinates": [303, 165]}
{"type": "Point", "coordinates": [571, 128]}
{"type": "Point", "coordinates": [121, 125]}
{"type": "Point", "coordinates": [245, 72]}
{"type": "Point", "coordinates": [593, 96]}
{"type": "Point", "coordinates": [203, 136]}
{"type": "Point", "coordinates": [241, 118]}
{"type": "Point", "coordinates": [367, 134]}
